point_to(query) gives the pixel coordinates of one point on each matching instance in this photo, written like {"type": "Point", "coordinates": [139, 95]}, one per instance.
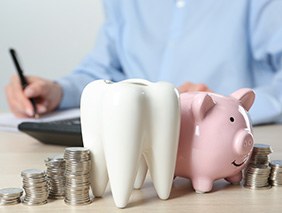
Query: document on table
{"type": "Point", "coordinates": [8, 122]}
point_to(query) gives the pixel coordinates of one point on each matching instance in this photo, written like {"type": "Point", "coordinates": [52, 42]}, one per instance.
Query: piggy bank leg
{"type": "Point", "coordinates": [202, 185]}
{"type": "Point", "coordinates": [235, 179]}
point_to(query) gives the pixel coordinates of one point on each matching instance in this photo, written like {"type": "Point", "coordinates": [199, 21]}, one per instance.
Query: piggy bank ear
{"type": "Point", "coordinates": [245, 96]}
{"type": "Point", "coordinates": [202, 103]}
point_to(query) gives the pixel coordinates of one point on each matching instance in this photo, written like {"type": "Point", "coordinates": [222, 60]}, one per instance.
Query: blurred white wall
{"type": "Point", "coordinates": [50, 36]}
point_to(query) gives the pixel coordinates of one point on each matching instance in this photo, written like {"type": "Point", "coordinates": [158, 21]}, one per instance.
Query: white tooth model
{"type": "Point", "coordinates": [126, 123]}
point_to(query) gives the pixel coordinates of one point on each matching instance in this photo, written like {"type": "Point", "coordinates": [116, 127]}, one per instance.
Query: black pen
{"type": "Point", "coordinates": [23, 80]}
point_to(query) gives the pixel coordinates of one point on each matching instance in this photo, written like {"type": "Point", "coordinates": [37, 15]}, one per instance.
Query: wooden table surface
{"type": "Point", "coordinates": [19, 151]}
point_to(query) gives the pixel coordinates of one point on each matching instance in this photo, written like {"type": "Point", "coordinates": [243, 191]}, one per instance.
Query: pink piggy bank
{"type": "Point", "coordinates": [215, 137]}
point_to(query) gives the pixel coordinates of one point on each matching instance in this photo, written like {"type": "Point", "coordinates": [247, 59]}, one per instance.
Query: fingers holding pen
{"type": "Point", "coordinates": [47, 93]}
{"type": "Point", "coordinates": [39, 89]}
{"type": "Point", "coordinates": [19, 104]}
{"type": "Point", "coordinates": [30, 96]}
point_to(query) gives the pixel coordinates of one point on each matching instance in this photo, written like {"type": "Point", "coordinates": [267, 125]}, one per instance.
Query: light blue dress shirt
{"type": "Point", "coordinates": [224, 44]}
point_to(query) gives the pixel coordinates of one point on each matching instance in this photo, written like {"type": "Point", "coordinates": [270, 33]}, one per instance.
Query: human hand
{"type": "Point", "coordinates": [47, 95]}
{"type": "Point", "coordinates": [191, 87]}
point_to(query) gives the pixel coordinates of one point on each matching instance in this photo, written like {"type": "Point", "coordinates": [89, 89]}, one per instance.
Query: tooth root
{"type": "Point", "coordinates": [122, 140]}
{"type": "Point", "coordinates": [162, 152]}
{"type": "Point", "coordinates": [161, 167]}
{"type": "Point", "coordinates": [141, 174]}
{"type": "Point", "coordinates": [90, 126]}
{"type": "Point", "coordinates": [99, 178]}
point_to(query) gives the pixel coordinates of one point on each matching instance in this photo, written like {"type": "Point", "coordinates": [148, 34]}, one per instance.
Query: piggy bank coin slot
{"type": "Point", "coordinates": [108, 82]}
{"type": "Point", "coordinates": [138, 83]}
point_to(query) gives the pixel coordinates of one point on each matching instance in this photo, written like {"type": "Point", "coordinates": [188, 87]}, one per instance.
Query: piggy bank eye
{"type": "Point", "coordinates": [232, 119]}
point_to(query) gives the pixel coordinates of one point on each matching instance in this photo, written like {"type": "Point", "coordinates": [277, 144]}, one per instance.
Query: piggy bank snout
{"type": "Point", "coordinates": [243, 142]}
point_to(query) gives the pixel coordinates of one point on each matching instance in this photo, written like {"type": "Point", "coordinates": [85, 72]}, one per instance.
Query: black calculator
{"type": "Point", "coordinates": [65, 132]}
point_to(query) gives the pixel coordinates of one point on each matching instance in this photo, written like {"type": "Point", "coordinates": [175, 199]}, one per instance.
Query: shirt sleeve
{"type": "Point", "coordinates": [266, 46]}
{"type": "Point", "coordinates": [101, 63]}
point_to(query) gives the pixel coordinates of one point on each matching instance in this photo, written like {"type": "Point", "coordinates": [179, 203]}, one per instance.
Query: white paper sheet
{"type": "Point", "coordinates": [8, 122]}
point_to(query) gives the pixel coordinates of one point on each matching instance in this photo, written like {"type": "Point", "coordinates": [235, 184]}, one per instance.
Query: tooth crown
{"type": "Point", "coordinates": [130, 125]}
{"type": "Point", "coordinates": [215, 137]}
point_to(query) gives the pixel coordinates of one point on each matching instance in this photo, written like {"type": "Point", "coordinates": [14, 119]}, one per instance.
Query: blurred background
{"type": "Point", "coordinates": [51, 37]}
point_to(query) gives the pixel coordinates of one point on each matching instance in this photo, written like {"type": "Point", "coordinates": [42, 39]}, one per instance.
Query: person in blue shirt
{"type": "Point", "coordinates": [205, 45]}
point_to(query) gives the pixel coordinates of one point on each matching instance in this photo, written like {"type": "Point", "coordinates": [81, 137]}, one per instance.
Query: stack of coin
{"type": "Point", "coordinates": [56, 176]}
{"type": "Point", "coordinates": [257, 172]}
{"type": "Point", "coordinates": [10, 196]}
{"type": "Point", "coordinates": [275, 178]}
{"type": "Point", "coordinates": [260, 154]}
{"type": "Point", "coordinates": [256, 177]}
{"type": "Point", "coordinates": [77, 175]}
{"type": "Point", "coordinates": [35, 187]}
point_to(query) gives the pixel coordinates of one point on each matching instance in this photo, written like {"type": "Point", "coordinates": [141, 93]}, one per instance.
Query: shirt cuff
{"type": "Point", "coordinates": [71, 94]}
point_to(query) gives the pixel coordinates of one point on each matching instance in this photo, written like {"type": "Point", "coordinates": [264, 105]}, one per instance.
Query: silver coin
{"type": "Point", "coordinates": [10, 196]}
{"type": "Point", "coordinates": [35, 186]}
{"type": "Point", "coordinates": [77, 174]}
{"type": "Point", "coordinates": [11, 192]}
{"type": "Point", "coordinates": [56, 176]}
{"type": "Point", "coordinates": [276, 163]}
{"type": "Point", "coordinates": [76, 149]}
{"type": "Point", "coordinates": [257, 172]}
{"type": "Point", "coordinates": [32, 173]}
{"type": "Point", "coordinates": [275, 177]}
